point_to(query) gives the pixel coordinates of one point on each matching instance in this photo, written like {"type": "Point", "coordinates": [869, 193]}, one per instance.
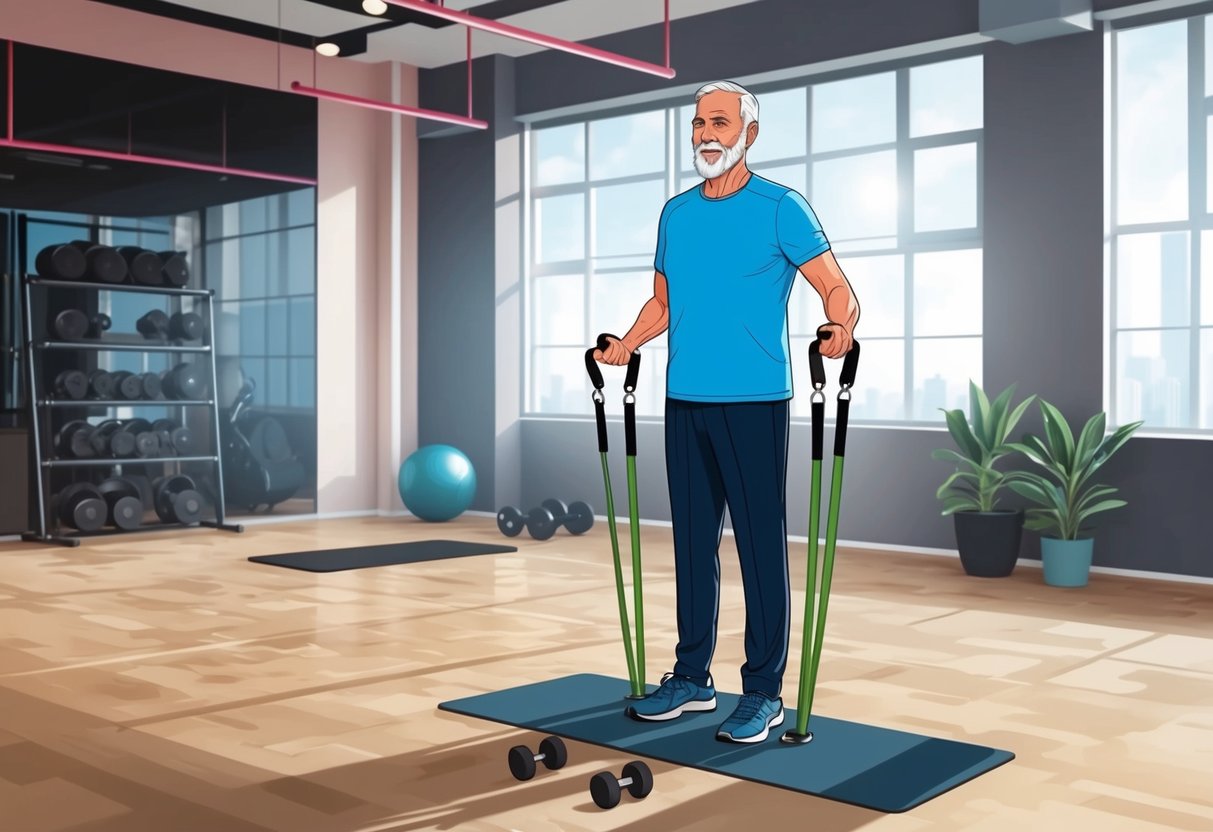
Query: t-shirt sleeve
{"type": "Point", "coordinates": [800, 235]}
{"type": "Point", "coordinates": [659, 257]}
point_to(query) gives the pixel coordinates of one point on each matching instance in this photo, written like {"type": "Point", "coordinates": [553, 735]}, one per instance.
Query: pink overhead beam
{"type": "Point", "coordinates": [374, 104]}
{"type": "Point", "coordinates": [547, 41]}
{"type": "Point", "coordinates": [48, 147]}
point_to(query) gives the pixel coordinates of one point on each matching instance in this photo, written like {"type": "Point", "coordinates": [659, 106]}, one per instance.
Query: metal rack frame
{"type": "Point", "coordinates": [42, 405]}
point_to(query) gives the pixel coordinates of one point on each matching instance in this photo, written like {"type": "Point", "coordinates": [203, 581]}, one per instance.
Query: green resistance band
{"type": "Point", "coordinates": [635, 661]}
{"type": "Point", "coordinates": [810, 649]}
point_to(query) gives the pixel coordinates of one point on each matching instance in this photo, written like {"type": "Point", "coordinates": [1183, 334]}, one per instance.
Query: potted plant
{"type": "Point", "coordinates": [987, 537]}
{"type": "Point", "coordinates": [1064, 499]}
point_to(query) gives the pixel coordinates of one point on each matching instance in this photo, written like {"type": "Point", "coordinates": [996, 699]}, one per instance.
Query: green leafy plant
{"type": "Point", "coordinates": [1063, 497]}
{"type": "Point", "coordinates": [976, 485]}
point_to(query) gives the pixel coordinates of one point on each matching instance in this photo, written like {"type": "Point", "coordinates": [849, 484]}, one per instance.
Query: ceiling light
{"type": "Point", "coordinates": [374, 6]}
{"type": "Point", "coordinates": [328, 49]}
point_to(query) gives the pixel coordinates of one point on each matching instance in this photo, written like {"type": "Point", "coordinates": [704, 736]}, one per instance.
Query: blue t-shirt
{"type": "Point", "coordinates": [730, 264]}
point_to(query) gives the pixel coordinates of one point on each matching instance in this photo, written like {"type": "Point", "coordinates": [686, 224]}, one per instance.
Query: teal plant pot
{"type": "Point", "coordinates": [1066, 562]}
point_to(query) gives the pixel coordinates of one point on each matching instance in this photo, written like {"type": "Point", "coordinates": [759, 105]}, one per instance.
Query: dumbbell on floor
{"type": "Point", "coordinates": [552, 754]}
{"type": "Point", "coordinates": [606, 788]}
{"type": "Point", "coordinates": [543, 522]}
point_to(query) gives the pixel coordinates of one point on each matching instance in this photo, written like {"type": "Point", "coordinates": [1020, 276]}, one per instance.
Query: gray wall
{"type": "Point", "coordinates": [1043, 329]}
{"type": "Point", "coordinates": [457, 178]}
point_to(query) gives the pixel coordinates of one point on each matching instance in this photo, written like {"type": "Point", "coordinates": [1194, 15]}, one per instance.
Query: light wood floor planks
{"type": "Point", "coordinates": [161, 682]}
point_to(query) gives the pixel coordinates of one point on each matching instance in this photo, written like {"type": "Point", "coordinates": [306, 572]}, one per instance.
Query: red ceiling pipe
{"type": "Point", "coordinates": [374, 104]}
{"type": "Point", "coordinates": [506, 30]}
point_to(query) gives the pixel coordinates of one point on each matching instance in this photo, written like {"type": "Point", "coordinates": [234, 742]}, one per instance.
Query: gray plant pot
{"type": "Point", "coordinates": [989, 541]}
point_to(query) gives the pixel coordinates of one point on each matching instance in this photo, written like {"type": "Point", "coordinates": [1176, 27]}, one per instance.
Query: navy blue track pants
{"type": "Point", "coordinates": [734, 452]}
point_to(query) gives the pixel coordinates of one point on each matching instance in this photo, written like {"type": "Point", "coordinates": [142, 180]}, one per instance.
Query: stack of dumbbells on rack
{"type": "Point", "coordinates": [119, 495]}
{"type": "Point", "coordinates": [544, 521]}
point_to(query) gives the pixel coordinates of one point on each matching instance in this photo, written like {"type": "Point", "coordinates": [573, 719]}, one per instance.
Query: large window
{"type": "Point", "coordinates": [260, 258]}
{"type": "Point", "coordinates": [891, 165]}
{"type": "Point", "coordinates": [1160, 264]}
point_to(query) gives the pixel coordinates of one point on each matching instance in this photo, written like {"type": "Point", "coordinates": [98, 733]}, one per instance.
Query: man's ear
{"type": "Point", "coordinates": [751, 133]}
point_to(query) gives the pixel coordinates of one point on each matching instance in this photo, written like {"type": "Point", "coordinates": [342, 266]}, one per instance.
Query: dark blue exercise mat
{"type": "Point", "coordinates": [876, 768]}
{"type": "Point", "coordinates": [389, 554]}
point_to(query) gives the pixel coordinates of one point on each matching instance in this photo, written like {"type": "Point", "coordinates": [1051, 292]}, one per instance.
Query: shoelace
{"type": "Point", "coordinates": [750, 705]}
{"type": "Point", "coordinates": [673, 683]}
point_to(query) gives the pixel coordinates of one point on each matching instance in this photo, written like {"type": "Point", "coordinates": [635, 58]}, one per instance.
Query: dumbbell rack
{"type": "Point", "coordinates": [50, 527]}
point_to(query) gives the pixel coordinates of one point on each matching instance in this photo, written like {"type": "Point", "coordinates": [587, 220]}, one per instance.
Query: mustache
{"type": "Point", "coordinates": [710, 146]}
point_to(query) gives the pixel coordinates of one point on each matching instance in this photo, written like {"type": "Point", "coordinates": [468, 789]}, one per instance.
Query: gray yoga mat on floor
{"type": "Point", "coordinates": [388, 554]}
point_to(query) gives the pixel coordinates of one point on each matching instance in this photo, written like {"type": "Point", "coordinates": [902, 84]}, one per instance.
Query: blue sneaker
{"type": "Point", "coordinates": [675, 695]}
{"type": "Point", "coordinates": [756, 714]}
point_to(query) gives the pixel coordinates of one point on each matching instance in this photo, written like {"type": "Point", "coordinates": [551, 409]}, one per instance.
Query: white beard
{"type": "Point", "coordinates": [729, 157]}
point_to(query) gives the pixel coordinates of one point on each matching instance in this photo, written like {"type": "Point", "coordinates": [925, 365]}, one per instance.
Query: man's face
{"type": "Point", "coordinates": [716, 133]}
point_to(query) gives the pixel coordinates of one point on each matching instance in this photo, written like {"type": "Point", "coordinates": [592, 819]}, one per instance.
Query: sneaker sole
{"type": "Point", "coordinates": [707, 706]}
{"type": "Point", "coordinates": [775, 722]}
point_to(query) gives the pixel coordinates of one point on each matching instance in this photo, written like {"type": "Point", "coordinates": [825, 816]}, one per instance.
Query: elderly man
{"type": "Point", "coordinates": [728, 252]}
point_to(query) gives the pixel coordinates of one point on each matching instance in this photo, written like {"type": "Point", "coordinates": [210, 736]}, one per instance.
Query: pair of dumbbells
{"type": "Point", "coordinates": [544, 521]}
{"type": "Point", "coordinates": [605, 788]}
{"type": "Point", "coordinates": [88, 507]}
{"type": "Point", "coordinates": [180, 326]}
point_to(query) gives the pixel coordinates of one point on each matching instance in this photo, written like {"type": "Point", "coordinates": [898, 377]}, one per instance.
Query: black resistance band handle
{"type": "Point", "coordinates": [850, 363]}
{"type": "Point", "coordinates": [629, 387]}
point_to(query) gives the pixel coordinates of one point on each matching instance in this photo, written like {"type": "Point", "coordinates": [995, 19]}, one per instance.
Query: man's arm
{"type": "Point", "coordinates": [654, 316]}
{"type": "Point", "coordinates": [653, 320]}
{"type": "Point", "coordinates": [841, 306]}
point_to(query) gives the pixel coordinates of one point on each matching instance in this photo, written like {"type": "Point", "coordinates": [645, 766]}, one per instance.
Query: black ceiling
{"type": "Point", "coordinates": [395, 16]}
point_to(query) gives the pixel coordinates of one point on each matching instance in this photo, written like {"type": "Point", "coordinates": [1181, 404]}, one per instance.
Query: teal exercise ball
{"type": "Point", "coordinates": [437, 482]}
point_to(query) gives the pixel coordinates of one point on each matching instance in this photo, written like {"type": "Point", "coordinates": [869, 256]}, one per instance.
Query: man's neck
{"type": "Point", "coordinates": [731, 181]}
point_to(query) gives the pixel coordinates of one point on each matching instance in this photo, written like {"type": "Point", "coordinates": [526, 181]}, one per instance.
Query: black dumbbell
{"type": "Point", "coordinates": [183, 382]}
{"type": "Point", "coordinates": [127, 386]}
{"type": "Point", "coordinates": [123, 503]}
{"type": "Point", "coordinates": [174, 438]}
{"type": "Point", "coordinates": [144, 266]}
{"type": "Point", "coordinates": [74, 442]}
{"type": "Point", "coordinates": [150, 382]}
{"type": "Point", "coordinates": [98, 324]}
{"type": "Point", "coordinates": [147, 441]}
{"type": "Point", "coordinates": [109, 440]}
{"type": "Point", "coordinates": [552, 754]}
{"type": "Point", "coordinates": [185, 326]}
{"type": "Point", "coordinates": [606, 788]}
{"type": "Point", "coordinates": [101, 384]}
{"type": "Point", "coordinates": [71, 384]}
{"type": "Point", "coordinates": [511, 521]}
{"type": "Point", "coordinates": [153, 324]}
{"type": "Point", "coordinates": [177, 500]}
{"type": "Point", "coordinates": [143, 484]}
{"type": "Point", "coordinates": [70, 325]}
{"type": "Point", "coordinates": [103, 263]}
{"type": "Point", "coordinates": [175, 271]}
{"type": "Point", "coordinates": [81, 506]}
{"type": "Point", "coordinates": [60, 262]}
{"type": "Point", "coordinates": [543, 522]}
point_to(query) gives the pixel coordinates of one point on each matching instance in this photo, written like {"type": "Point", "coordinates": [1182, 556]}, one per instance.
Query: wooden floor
{"type": "Point", "coordinates": [162, 682]}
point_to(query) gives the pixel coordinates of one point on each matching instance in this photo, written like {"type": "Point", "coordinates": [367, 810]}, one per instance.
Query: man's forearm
{"type": "Point", "coordinates": [653, 319]}
{"type": "Point", "coordinates": [837, 297]}
{"type": "Point", "coordinates": [841, 307]}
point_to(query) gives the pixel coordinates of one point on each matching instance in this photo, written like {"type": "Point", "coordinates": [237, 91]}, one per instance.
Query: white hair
{"type": "Point", "coordinates": [749, 104]}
